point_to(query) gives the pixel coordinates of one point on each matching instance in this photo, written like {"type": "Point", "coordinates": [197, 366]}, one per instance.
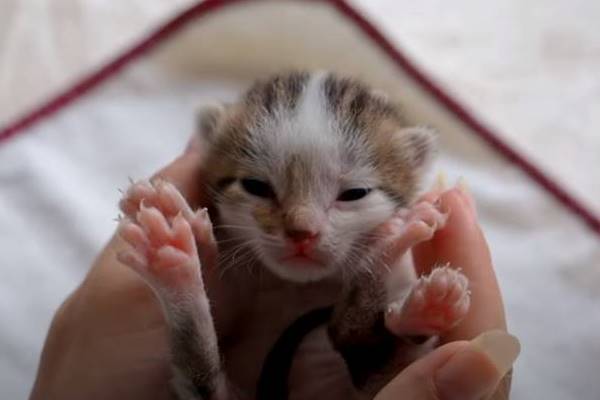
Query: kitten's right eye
{"type": "Point", "coordinates": [353, 194]}
{"type": "Point", "coordinates": [258, 188]}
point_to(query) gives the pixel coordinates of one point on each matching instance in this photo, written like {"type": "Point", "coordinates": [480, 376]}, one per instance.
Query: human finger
{"type": "Point", "coordinates": [465, 370]}
{"type": "Point", "coordinates": [461, 244]}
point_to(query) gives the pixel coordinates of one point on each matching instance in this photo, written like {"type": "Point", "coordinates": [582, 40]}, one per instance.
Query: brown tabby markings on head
{"type": "Point", "coordinates": [280, 91]}
{"type": "Point", "coordinates": [362, 118]}
{"type": "Point", "coordinates": [376, 121]}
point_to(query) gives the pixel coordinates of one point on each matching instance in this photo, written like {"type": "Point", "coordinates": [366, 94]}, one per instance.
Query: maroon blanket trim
{"type": "Point", "coordinates": [485, 133]}
{"type": "Point", "coordinates": [110, 69]}
{"type": "Point", "coordinates": [204, 8]}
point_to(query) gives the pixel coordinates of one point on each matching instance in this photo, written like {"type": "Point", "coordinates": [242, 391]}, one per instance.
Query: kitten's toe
{"type": "Point", "coordinates": [410, 227]}
{"type": "Point", "coordinates": [203, 231]}
{"type": "Point", "coordinates": [425, 219]}
{"type": "Point", "coordinates": [132, 198]}
{"type": "Point", "coordinates": [154, 224]}
{"type": "Point", "coordinates": [157, 193]}
{"type": "Point", "coordinates": [171, 201]}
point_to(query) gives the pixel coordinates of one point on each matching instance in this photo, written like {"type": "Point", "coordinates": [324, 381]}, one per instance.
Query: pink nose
{"type": "Point", "coordinates": [302, 238]}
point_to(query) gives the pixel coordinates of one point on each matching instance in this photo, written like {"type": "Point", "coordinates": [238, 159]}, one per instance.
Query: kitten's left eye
{"type": "Point", "coordinates": [353, 194]}
{"type": "Point", "coordinates": [258, 188]}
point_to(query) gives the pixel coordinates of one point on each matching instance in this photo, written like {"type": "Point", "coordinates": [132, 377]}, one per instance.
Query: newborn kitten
{"type": "Point", "coordinates": [313, 180]}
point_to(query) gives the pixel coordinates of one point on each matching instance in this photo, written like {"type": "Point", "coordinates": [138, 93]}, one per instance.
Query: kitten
{"type": "Point", "coordinates": [313, 180]}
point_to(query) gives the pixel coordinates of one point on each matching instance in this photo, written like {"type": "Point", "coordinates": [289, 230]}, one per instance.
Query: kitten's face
{"type": "Point", "coordinates": [303, 181]}
{"type": "Point", "coordinates": [303, 212]}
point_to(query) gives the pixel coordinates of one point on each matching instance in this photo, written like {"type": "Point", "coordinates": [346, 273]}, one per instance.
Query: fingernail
{"type": "Point", "coordinates": [502, 348]}
{"type": "Point", "coordinates": [441, 182]}
{"type": "Point", "coordinates": [474, 372]}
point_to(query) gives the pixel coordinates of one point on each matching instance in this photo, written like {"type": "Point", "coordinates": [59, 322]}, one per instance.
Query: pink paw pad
{"type": "Point", "coordinates": [436, 303]}
{"type": "Point", "coordinates": [161, 228]}
{"type": "Point", "coordinates": [163, 253]}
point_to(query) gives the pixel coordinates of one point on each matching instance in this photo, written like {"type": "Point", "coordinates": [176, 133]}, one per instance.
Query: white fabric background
{"type": "Point", "coordinates": [547, 263]}
{"type": "Point", "coordinates": [529, 67]}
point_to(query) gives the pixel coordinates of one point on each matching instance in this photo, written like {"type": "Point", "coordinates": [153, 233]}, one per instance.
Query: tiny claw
{"type": "Point", "coordinates": [441, 182]}
{"type": "Point", "coordinates": [158, 181]}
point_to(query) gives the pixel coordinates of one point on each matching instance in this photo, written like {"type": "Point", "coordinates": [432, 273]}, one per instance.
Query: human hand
{"type": "Point", "coordinates": [477, 354]}
{"type": "Point", "coordinates": [108, 339]}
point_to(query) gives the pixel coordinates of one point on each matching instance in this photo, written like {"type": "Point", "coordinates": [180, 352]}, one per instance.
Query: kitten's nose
{"type": "Point", "coordinates": [303, 237]}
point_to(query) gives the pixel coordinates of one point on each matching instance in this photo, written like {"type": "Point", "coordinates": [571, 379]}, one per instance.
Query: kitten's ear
{"type": "Point", "coordinates": [208, 120]}
{"type": "Point", "coordinates": [417, 145]}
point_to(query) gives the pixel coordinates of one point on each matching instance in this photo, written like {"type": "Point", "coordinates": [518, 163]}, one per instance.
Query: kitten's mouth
{"type": "Point", "coordinates": [301, 259]}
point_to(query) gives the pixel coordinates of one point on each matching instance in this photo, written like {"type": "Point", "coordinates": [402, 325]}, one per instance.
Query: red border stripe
{"type": "Point", "coordinates": [109, 70]}
{"type": "Point", "coordinates": [485, 133]}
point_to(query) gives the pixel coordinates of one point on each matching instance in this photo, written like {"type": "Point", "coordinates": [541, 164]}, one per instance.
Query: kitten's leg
{"type": "Point", "coordinates": [159, 226]}
{"type": "Point", "coordinates": [375, 345]}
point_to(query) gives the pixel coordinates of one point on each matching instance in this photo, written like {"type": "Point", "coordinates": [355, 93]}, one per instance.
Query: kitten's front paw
{"type": "Point", "coordinates": [409, 227]}
{"type": "Point", "coordinates": [417, 224]}
{"type": "Point", "coordinates": [163, 253]}
{"type": "Point", "coordinates": [436, 303]}
{"type": "Point", "coordinates": [165, 236]}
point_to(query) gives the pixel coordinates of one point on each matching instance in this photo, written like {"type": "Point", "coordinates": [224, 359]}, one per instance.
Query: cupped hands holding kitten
{"type": "Point", "coordinates": [109, 338]}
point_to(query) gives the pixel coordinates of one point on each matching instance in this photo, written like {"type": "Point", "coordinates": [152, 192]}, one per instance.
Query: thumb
{"type": "Point", "coordinates": [457, 371]}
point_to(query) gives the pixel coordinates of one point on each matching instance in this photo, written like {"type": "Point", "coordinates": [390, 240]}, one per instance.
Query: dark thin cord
{"type": "Point", "coordinates": [273, 379]}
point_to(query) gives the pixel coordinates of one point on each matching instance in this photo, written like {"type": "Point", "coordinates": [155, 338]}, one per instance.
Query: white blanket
{"type": "Point", "coordinates": [58, 188]}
